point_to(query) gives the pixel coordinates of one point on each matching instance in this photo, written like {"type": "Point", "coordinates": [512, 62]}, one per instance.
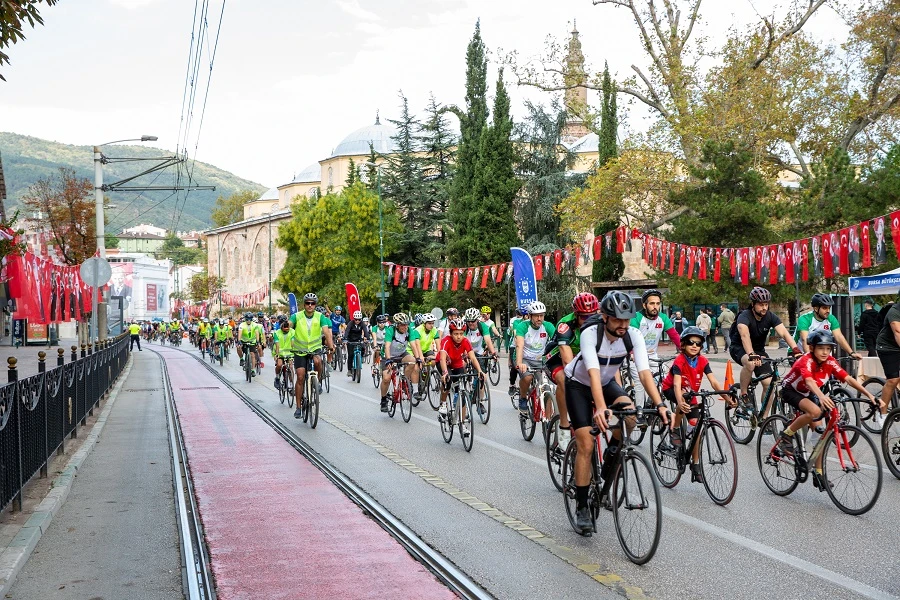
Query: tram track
{"type": "Point", "coordinates": [448, 573]}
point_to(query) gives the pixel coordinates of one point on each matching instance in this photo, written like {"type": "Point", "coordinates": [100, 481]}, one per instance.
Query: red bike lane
{"type": "Point", "coordinates": [275, 526]}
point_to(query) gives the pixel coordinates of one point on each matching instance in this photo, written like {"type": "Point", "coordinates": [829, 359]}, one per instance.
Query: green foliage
{"type": "Point", "coordinates": [352, 174]}
{"type": "Point", "coordinates": [609, 121]}
{"type": "Point", "coordinates": [174, 249]}
{"type": "Point", "coordinates": [323, 253]}
{"type": "Point", "coordinates": [203, 285]}
{"type": "Point", "coordinates": [13, 15]}
{"type": "Point", "coordinates": [231, 209]}
{"type": "Point", "coordinates": [439, 144]}
{"type": "Point", "coordinates": [27, 159]}
{"type": "Point", "coordinates": [611, 266]}
{"type": "Point", "coordinates": [111, 240]}
{"type": "Point", "coordinates": [12, 247]}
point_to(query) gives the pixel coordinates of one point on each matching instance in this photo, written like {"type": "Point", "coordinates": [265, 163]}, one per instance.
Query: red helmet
{"type": "Point", "coordinates": [585, 303]}
{"type": "Point", "coordinates": [456, 324]}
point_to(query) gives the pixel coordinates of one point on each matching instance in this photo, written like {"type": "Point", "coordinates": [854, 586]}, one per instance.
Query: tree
{"type": "Point", "coordinates": [13, 14]}
{"type": "Point", "coordinates": [63, 205]}
{"type": "Point", "coordinates": [231, 209]}
{"type": "Point", "coordinates": [609, 121]}
{"type": "Point", "coordinates": [174, 249]}
{"type": "Point", "coordinates": [611, 265]}
{"type": "Point", "coordinates": [324, 253]}
{"type": "Point", "coordinates": [472, 122]}
{"type": "Point", "coordinates": [439, 144]}
{"type": "Point", "coordinates": [352, 174]}
{"type": "Point", "coordinates": [111, 240]}
{"type": "Point", "coordinates": [203, 286]}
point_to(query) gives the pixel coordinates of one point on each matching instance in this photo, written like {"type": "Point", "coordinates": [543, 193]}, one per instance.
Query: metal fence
{"type": "Point", "coordinates": [39, 412]}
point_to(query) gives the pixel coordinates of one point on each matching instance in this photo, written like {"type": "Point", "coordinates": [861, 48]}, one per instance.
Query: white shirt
{"type": "Point", "coordinates": [608, 358]}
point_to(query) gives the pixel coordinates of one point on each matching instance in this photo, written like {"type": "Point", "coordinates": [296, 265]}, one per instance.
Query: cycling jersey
{"type": "Point", "coordinates": [536, 340]}
{"type": "Point", "coordinates": [807, 366]}
{"type": "Point", "coordinates": [691, 370]}
{"type": "Point", "coordinates": [456, 352]}
{"type": "Point", "coordinates": [608, 357]}
{"type": "Point", "coordinates": [378, 334]}
{"type": "Point", "coordinates": [476, 337]}
{"type": "Point", "coordinates": [400, 342]}
{"type": "Point", "coordinates": [285, 342]}
{"type": "Point", "coordinates": [356, 332]}
{"type": "Point", "coordinates": [426, 338]}
{"type": "Point", "coordinates": [206, 332]}
{"type": "Point", "coordinates": [808, 322]}
{"type": "Point", "coordinates": [336, 322]}
{"type": "Point", "coordinates": [567, 334]}
{"type": "Point", "coordinates": [248, 333]}
{"type": "Point", "coordinates": [652, 329]}
{"type": "Point", "coordinates": [221, 332]}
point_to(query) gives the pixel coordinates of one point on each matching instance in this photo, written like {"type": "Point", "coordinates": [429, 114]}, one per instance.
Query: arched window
{"type": "Point", "coordinates": [257, 260]}
{"type": "Point", "coordinates": [235, 263]}
{"type": "Point", "coordinates": [223, 268]}
{"type": "Point", "coordinates": [330, 177]}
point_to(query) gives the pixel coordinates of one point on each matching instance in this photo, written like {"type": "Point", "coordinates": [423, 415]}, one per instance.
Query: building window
{"type": "Point", "coordinates": [330, 177]}
{"type": "Point", "coordinates": [235, 264]}
{"type": "Point", "coordinates": [223, 268]}
{"type": "Point", "coordinates": [257, 260]}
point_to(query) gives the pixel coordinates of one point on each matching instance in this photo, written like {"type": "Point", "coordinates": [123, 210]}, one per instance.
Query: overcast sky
{"type": "Point", "coordinates": [291, 77]}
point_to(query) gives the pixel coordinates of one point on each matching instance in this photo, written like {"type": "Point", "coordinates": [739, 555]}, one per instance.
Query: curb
{"type": "Point", "coordinates": [16, 554]}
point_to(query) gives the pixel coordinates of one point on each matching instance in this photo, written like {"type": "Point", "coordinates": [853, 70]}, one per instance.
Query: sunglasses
{"type": "Point", "coordinates": [693, 343]}
{"type": "Point", "coordinates": [309, 303]}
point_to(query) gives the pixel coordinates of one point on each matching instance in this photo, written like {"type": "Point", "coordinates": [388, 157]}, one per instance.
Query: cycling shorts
{"type": "Point", "coordinates": [669, 395]}
{"type": "Point", "coordinates": [794, 398]}
{"type": "Point", "coordinates": [737, 353]}
{"type": "Point", "coordinates": [554, 366]}
{"type": "Point", "coordinates": [304, 361]}
{"type": "Point", "coordinates": [580, 402]}
{"type": "Point", "coordinates": [447, 383]}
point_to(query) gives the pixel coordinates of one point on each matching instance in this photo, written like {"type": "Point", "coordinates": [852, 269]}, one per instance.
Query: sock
{"type": "Point", "coordinates": [581, 495]}
{"type": "Point", "coordinates": [788, 431]}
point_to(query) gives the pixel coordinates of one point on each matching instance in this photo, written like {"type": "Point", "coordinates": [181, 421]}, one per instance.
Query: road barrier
{"type": "Point", "coordinates": [39, 412]}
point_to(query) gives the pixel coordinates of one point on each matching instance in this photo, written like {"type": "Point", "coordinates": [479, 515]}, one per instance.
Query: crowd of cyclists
{"type": "Point", "coordinates": [594, 377]}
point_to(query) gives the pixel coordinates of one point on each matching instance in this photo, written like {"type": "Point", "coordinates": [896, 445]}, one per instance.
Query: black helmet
{"type": "Point", "coordinates": [381, 319]}
{"type": "Point", "coordinates": [821, 337]}
{"type": "Point", "coordinates": [822, 300]}
{"type": "Point", "coordinates": [692, 331]}
{"type": "Point", "coordinates": [646, 295]}
{"type": "Point", "coordinates": [759, 294]}
{"type": "Point", "coordinates": [618, 304]}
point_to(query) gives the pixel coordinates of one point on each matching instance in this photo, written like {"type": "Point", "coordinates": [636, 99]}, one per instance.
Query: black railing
{"type": "Point", "coordinates": [39, 412]}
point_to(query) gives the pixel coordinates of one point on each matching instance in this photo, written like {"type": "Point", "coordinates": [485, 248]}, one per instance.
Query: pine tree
{"type": "Point", "coordinates": [611, 266]}
{"type": "Point", "coordinates": [609, 121]}
{"type": "Point", "coordinates": [438, 141]}
{"type": "Point", "coordinates": [472, 124]}
{"type": "Point", "coordinates": [352, 174]}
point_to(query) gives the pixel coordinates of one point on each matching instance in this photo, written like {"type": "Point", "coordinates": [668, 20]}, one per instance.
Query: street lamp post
{"type": "Point", "coordinates": [269, 215]}
{"type": "Point", "coordinates": [380, 232]}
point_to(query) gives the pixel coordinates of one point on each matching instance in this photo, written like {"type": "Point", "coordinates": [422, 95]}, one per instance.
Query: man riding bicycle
{"type": "Point", "coordinates": [821, 318]}
{"type": "Point", "coordinates": [591, 387]}
{"type": "Point", "coordinates": [479, 335]}
{"type": "Point", "coordinates": [401, 345]}
{"type": "Point", "coordinates": [220, 334]}
{"type": "Point", "coordinates": [282, 349]}
{"type": "Point", "coordinates": [205, 331]}
{"type": "Point", "coordinates": [248, 336]}
{"type": "Point", "coordinates": [451, 361]}
{"type": "Point", "coordinates": [532, 337]}
{"type": "Point", "coordinates": [356, 332]}
{"type": "Point", "coordinates": [310, 326]}
{"type": "Point", "coordinates": [428, 333]}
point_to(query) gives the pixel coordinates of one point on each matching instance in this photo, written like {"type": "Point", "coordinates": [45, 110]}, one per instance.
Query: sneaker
{"type": "Point", "coordinates": [665, 447]}
{"type": "Point", "coordinates": [819, 482]}
{"type": "Point", "coordinates": [480, 409]}
{"type": "Point", "coordinates": [878, 420]}
{"type": "Point", "coordinates": [320, 388]}
{"type": "Point", "coordinates": [253, 373]}
{"type": "Point", "coordinates": [785, 446]}
{"type": "Point", "coordinates": [523, 406]}
{"type": "Point", "coordinates": [583, 521]}
{"type": "Point", "coordinates": [242, 362]}
{"type": "Point", "coordinates": [278, 383]}
{"type": "Point", "coordinates": [417, 396]}
{"type": "Point", "coordinates": [696, 473]}
{"type": "Point", "coordinates": [512, 391]}
{"type": "Point", "coordinates": [384, 404]}
{"type": "Point", "coordinates": [563, 437]}
{"type": "Point", "coordinates": [298, 413]}
{"type": "Point", "coordinates": [442, 410]}
{"type": "Point", "coordinates": [466, 431]}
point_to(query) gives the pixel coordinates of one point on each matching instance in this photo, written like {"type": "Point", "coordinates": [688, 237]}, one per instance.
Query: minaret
{"type": "Point", "coordinates": [576, 92]}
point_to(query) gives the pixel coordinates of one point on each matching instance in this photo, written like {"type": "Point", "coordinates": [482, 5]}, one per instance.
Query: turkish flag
{"type": "Point", "coordinates": [745, 270]}
{"type": "Point", "coordinates": [469, 274]}
{"type": "Point", "coordinates": [789, 262]}
{"type": "Point", "coordinates": [598, 247]}
{"type": "Point", "coordinates": [827, 266]}
{"type": "Point", "coordinates": [855, 256]}
{"type": "Point", "coordinates": [539, 268]}
{"type": "Point", "coordinates": [672, 250]}
{"type": "Point", "coordinates": [646, 247]}
{"type": "Point", "coordinates": [397, 275]}
{"type": "Point", "coordinates": [732, 262]}
{"type": "Point", "coordinates": [485, 272]}
{"type": "Point", "coordinates": [501, 269]}
{"type": "Point", "coordinates": [455, 279]}
{"type": "Point", "coordinates": [718, 265]}
{"type": "Point", "coordinates": [427, 279]}
{"type": "Point", "coordinates": [411, 278]}
{"type": "Point", "coordinates": [773, 264]}
{"type": "Point", "coordinates": [440, 283]}
{"type": "Point", "coordinates": [844, 252]}
{"type": "Point", "coordinates": [620, 239]}
{"type": "Point", "coordinates": [895, 231]}
{"type": "Point", "coordinates": [692, 261]}
{"type": "Point", "coordinates": [682, 256]}
{"type": "Point", "coordinates": [557, 260]}
{"type": "Point", "coordinates": [804, 252]}
{"type": "Point", "coordinates": [864, 243]}
{"type": "Point", "coordinates": [703, 262]}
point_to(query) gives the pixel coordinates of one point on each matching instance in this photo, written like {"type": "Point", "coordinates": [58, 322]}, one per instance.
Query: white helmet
{"type": "Point", "coordinates": [472, 314]}
{"type": "Point", "coordinates": [428, 318]}
{"type": "Point", "coordinates": [357, 314]}
{"type": "Point", "coordinates": [536, 308]}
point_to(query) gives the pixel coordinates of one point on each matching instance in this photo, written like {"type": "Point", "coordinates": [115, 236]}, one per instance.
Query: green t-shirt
{"type": "Point", "coordinates": [476, 336]}
{"type": "Point", "coordinates": [809, 323]}
{"type": "Point", "coordinates": [567, 334]}
{"type": "Point", "coordinates": [536, 340]}
{"type": "Point", "coordinates": [247, 332]}
{"type": "Point", "coordinates": [400, 342]}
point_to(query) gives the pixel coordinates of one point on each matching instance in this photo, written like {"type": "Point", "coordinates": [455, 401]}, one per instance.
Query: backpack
{"type": "Point", "coordinates": [600, 323]}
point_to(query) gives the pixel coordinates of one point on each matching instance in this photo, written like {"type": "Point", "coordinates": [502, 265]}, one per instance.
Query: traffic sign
{"type": "Point", "coordinates": [95, 271]}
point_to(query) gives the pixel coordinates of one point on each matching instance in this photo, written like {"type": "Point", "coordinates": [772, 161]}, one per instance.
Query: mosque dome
{"type": "Point", "coordinates": [311, 174]}
{"type": "Point", "coordinates": [271, 194]}
{"type": "Point", "coordinates": [357, 143]}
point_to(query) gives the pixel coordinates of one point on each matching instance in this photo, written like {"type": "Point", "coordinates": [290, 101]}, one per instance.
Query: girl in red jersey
{"type": "Point", "coordinates": [452, 355]}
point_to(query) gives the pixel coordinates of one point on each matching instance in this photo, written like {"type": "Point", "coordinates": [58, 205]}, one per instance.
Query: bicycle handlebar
{"type": "Point", "coordinates": [661, 361]}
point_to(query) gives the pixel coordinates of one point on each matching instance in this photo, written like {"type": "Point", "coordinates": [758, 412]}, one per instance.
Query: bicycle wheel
{"type": "Point", "coordinates": [340, 359]}
{"type": "Point", "coordinates": [221, 355]}
{"type": "Point", "coordinates": [304, 403]}
{"type": "Point", "coordinates": [852, 475]}
{"type": "Point", "coordinates": [637, 508]}
{"type": "Point", "coordinates": [447, 422]}
{"type": "Point", "coordinates": [875, 385]}
{"type": "Point", "coordinates": [248, 370]}
{"type": "Point", "coordinates": [484, 404]}
{"type": "Point", "coordinates": [376, 375]}
{"type": "Point", "coordinates": [640, 430]}
{"type": "Point", "coordinates": [314, 403]}
{"type": "Point", "coordinates": [393, 400]}
{"type": "Point", "coordinates": [890, 442]}
{"type": "Point", "coordinates": [526, 423]}
{"type": "Point", "coordinates": [568, 482]}
{"type": "Point", "coordinates": [740, 421]}
{"type": "Point", "coordinates": [434, 390]}
{"type": "Point", "coordinates": [778, 473]}
{"type": "Point", "coordinates": [666, 462]}
{"type": "Point", "coordinates": [282, 389]}
{"type": "Point", "coordinates": [464, 421]}
{"type": "Point", "coordinates": [718, 461]}
{"type": "Point", "coordinates": [327, 380]}
{"type": "Point", "coordinates": [290, 392]}
{"type": "Point", "coordinates": [406, 401]}
{"type": "Point", "coordinates": [494, 372]}
{"type": "Point", "coordinates": [554, 453]}
{"type": "Point", "coordinates": [357, 358]}
{"type": "Point", "coordinates": [848, 410]}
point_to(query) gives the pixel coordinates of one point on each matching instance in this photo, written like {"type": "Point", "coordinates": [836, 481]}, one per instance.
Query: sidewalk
{"type": "Point", "coordinates": [27, 356]}
{"type": "Point", "coordinates": [116, 535]}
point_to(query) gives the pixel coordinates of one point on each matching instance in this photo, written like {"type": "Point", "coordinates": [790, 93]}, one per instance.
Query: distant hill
{"type": "Point", "coordinates": [27, 159]}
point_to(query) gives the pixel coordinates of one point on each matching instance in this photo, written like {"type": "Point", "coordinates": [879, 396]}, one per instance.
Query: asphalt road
{"type": "Point", "coordinates": [496, 514]}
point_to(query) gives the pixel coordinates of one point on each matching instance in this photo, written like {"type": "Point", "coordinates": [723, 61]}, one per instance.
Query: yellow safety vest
{"type": "Point", "coordinates": [307, 338]}
{"type": "Point", "coordinates": [134, 329]}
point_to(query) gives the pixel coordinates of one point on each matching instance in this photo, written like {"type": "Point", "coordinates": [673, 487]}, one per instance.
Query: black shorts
{"type": "Point", "coordinates": [890, 362]}
{"type": "Point", "coordinates": [554, 364]}
{"type": "Point", "coordinates": [580, 402]}
{"type": "Point", "coordinates": [459, 371]}
{"type": "Point", "coordinates": [669, 395]}
{"type": "Point", "coordinates": [794, 398]}
{"type": "Point", "coordinates": [304, 361]}
{"type": "Point", "coordinates": [737, 353]}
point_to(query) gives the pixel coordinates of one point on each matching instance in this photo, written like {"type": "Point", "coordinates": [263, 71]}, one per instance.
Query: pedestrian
{"type": "Point", "coordinates": [135, 330]}
{"type": "Point", "coordinates": [888, 345]}
{"type": "Point", "coordinates": [868, 326]}
{"type": "Point", "coordinates": [711, 338]}
{"type": "Point", "coordinates": [726, 322]}
{"type": "Point", "coordinates": [704, 323]}
{"type": "Point", "coordinates": [678, 322]}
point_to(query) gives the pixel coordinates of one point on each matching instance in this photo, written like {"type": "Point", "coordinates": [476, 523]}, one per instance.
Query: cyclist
{"type": "Point", "coordinates": [511, 348]}
{"type": "Point", "coordinates": [428, 333]}
{"type": "Point", "coordinates": [309, 326]}
{"type": "Point", "coordinates": [453, 351]}
{"type": "Point", "coordinates": [205, 333]}
{"type": "Point", "coordinates": [686, 374]}
{"type": "Point", "coordinates": [221, 331]}
{"type": "Point", "coordinates": [337, 320]}
{"type": "Point", "coordinates": [801, 388]}
{"type": "Point", "coordinates": [401, 345]}
{"type": "Point", "coordinates": [652, 323]}
{"type": "Point", "coordinates": [748, 338]}
{"type": "Point", "coordinates": [282, 349]}
{"type": "Point", "coordinates": [479, 335]}
{"type": "Point", "coordinates": [452, 313]}
{"type": "Point", "coordinates": [248, 336]}
{"type": "Point", "coordinates": [378, 336]}
{"type": "Point", "coordinates": [486, 319]}
{"type": "Point", "coordinates": [591, 386]}
{"type": "Point", "coordinates": [532, 337]}
{"type": "Point", "coordinates": [356, 332]}
{"type": "Point", "coordinates": [820, 317]}
{"type": "Point", "coordinates": [566, 343]}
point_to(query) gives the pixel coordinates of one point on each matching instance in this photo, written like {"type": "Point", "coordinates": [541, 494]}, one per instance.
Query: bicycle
{"type": "Point", "coordinates": [718, 459]}
{"type": "Point", "coordinates": [337, 359]}
{"type": "Point", "coordinates": [742, 419]}
{"type": "Point", "coordinates": [213, 356]}
{"type": "Point", "coordinates": [875, 385]}
{"type": "Point", "coordinates": [459, 400]}
{"type": "Point", "coordinates": [483, 406]}
{"type": "Point", "coordinates": [492, 368]}
{"type": "Point", "coordinates": [539, 393]}
{"type": "Point", "coordinates": [309, 401]}
{"type": "Point", "coordinates": [634, 492]}
{"type": "Point", "coordinates": [399, 392]}
{"type": "Point", "coordinates": [249, 349]}
{"type": "Point", "coordinates": [430, 383]}
{"type": "Point", "coordinates": [843, 466]}
{"type": "Point", "coordinates": [376, 368]}
{"type": "Point", "coordinates": [218, 352]}
{"type": "Point", "coordinates": [651, 421]}
{"type": "Point", "coordinates": [890, 442]}
{"type": "Point", "coordinates": [286, 389]}
{"type": "Point", "coordinates": [354, 365]}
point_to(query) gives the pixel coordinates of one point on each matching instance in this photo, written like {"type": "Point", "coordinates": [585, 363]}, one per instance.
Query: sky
{"type": "Point", "coordinates": [292, 78]}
